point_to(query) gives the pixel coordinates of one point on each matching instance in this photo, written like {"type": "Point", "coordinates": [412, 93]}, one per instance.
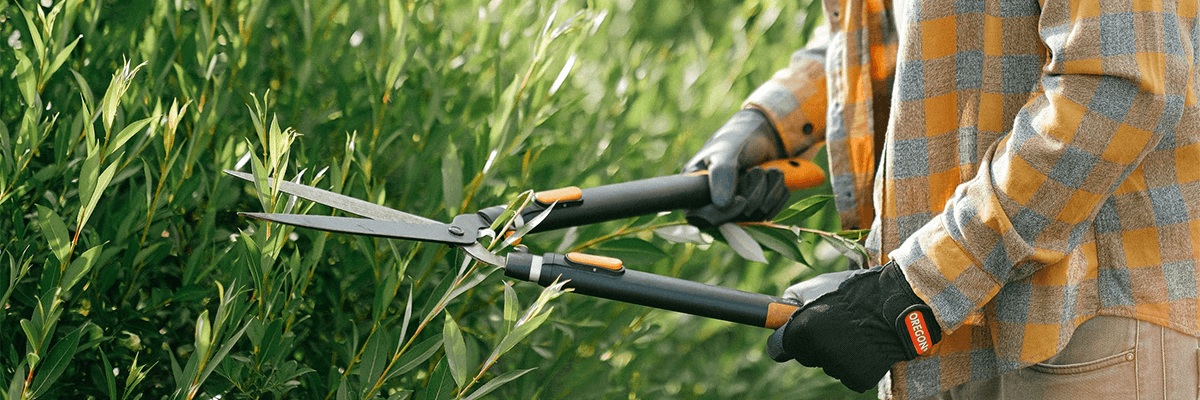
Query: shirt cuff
{"type": "Point", "coordinates": [794, 101]}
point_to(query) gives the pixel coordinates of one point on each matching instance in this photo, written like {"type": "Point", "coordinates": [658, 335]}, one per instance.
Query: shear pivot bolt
{"type": "Point", "coordinates": [456, 231]}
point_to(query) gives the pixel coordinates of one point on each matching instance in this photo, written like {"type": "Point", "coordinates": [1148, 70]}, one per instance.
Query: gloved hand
{"type": "Point", "coordinates": [761, 194]}
{"type": "Point", "coordinates": [746, 140]}
{"type": "Point", "coordinates": [856, 332]}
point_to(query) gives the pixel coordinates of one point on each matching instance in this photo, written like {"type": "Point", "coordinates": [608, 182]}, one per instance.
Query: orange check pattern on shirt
{"type": "Point", "coordinates": [1041, 165]}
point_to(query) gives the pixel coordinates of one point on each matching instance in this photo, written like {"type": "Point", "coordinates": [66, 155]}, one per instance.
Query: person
{"type": "Point", "coordinates": [1030, 173]}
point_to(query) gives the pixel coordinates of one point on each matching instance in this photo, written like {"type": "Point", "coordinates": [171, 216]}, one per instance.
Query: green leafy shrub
{"type": "Point", "coordinates": [130, 274]}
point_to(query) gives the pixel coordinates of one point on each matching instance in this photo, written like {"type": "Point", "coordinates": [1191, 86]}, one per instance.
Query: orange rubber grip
{"type": "Point", "coordinates": [597, 261]}
{"type": "Point", "coordinates": [778, 314]}
{"type": "Point", "coordinates": [562, 195]}
{"type": "Point", "coordinates": [798, 173]}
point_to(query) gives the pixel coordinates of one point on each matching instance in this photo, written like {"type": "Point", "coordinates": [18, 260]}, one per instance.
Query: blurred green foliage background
{"type": "Point", "coordinates": [125, 271]}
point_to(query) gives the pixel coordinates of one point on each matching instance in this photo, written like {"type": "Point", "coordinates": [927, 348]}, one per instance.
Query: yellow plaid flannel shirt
{"type": "Point", "coordinates": [1041, 164]}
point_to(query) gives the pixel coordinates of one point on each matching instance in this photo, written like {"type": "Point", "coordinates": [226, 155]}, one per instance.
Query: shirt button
{"type": "Point", "coordinates": [1129, 357]}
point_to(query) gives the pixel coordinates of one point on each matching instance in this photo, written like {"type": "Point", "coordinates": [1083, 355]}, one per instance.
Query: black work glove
{"type": "Point", "coordinates": [872, 321]}
{"type": "Point", "coordinates": [746, 140]}
{"type": "Point", "coordinates": [761, 194]}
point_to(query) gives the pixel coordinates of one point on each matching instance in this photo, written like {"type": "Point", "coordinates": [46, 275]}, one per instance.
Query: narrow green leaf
{"type": "Point", "coordinates": [632, 251]}
{"type": "Point", "coordinates": [109, 379]}
{"type": "Point", "coordinates": [26, 79]}
{"type": "Point", "coordinates": [456, 351]}
{"type": "Point", "coordinates": [441, 384]}
{"type": "Point", "coordinates": [407, 316]}
{"type": "Point", "coordinates": [777, 238]}
{"type": "Point", "coordinates": [57, 362]}
{"type": "Point", "coordinates": [101, 184]}
{"type": "Point", "coordinates": [89, 174]}
{"type": "Point", "coordinates": [33, 334]}
{"type": "Point", "coordinates": [262, 181]}
{"type": "Point", "coordinates": [528, 226]}
{"type": "Point", "coordinates": [511, 210]}
{"type": "Point", "coordinates": [471, 282]}
{"type": "Point", "coordinates": [742, 243]}
{"type": "Point", "coordinates": [116, 89]}
{"type": "Point", "coordinates": [137, 373]}
{"type": "Point", "coordinates": [683, 234]}
{"type": "Point", "coordinates": [85, 91]}
{"type": "Point", "coordinates": [55, 232]}
{"type": "Point", "coordinates": [854, 235]}
{"type": "Point", "coordinates": [16, 386]}
{"type": "Point", "coordinates": [343, 391]}
{"type": "Point", "coordinates": [497, 382]}
{"type": "Point", "coordinates": [376, 353]}
{"type": "Point", "coordinates": [89, 129]}
{"type": "Point", "coordinates": [452, 180]}
{"type": "Point", "coordinates": [220, 354]}
{"type": "Point", "coordinates": [384, 294]}
{"type": "Point", "coordinates": [519, 333]}
{"type": "Point", "coordinates": [6, 150]}
{"type": "Point", "coordinates": [204, 339]}
{"type": "Point", "coordinates": [801, 210]}
{"type": "Point", "coordinates": [415, 355]}
{"type": "Point", "coordinates": [128, 132]}
{"type": "Point", "coordinates": [60, 58]}
{"type": "Point", "coordinates": [80, 267]}
{"type": "Point", "coordinates": [512, 305]}
{"type": "Point", "coordinates": [39, 46]}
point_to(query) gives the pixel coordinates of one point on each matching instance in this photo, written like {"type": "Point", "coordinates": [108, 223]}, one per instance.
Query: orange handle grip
{"type": "Point", "coordinates": [798, 173]}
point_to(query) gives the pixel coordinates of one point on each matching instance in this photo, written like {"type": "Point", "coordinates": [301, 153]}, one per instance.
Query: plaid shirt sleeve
{"type": "Point", "coordinates": [1114, 81]}
{"type": "Point", "coordinates": [794, 99]}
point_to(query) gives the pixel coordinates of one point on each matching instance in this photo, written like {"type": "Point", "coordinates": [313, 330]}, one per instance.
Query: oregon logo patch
{"type": "Point", "coordinates": [918, 331]}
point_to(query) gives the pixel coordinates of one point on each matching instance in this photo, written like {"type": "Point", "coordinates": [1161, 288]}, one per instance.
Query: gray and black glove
{"type": "Point", "coordinates": [857, 332]}
{"type": "Point", "coordinates": [745, 141]}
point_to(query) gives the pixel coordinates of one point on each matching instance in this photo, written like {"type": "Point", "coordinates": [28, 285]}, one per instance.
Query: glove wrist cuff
{"type": "Point", "coordinates": [914, 322]}
{"type": "Point", "coordinates": [917, 329]}
{"type": "Point", "coordinates": [758, 124]}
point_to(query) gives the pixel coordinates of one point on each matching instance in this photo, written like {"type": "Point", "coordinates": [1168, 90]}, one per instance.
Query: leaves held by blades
{"type": "Point", "coordinates": [683, 234]}
{"type": "Point", "coordinates": [742, 242]}
{"type": "Point", "coordinates": [780, 239]}
{"type": "Point", "coordinates": [506, 218]}
{"type": "Point", "coordinates": [528, 226]}
{"type": "Point", "coordinates": [854, 235]}
{"type": "Point", "coordinates": [803, 209]}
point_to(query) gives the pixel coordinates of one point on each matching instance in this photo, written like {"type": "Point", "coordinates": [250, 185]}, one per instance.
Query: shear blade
{"type": "Point", "coordinates": [339, 201]}
{"type": "Point", "coordinates": [432, 232]}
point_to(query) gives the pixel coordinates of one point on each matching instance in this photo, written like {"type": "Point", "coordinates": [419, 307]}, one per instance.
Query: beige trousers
{"type": "Point", "coordinates": [1107, 358]}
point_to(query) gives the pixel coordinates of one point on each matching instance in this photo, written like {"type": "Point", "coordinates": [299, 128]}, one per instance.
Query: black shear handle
{"type": "Point", "coordinates": [577, 207]}
{"type": "Point", "coordinates": [605, 277]}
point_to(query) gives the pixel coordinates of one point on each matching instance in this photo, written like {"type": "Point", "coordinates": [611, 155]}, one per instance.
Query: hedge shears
{"type": "Point", "coordinates": [587, 274]}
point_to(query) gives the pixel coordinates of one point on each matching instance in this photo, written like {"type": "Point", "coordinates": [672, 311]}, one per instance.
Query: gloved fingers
{"type": "Point", "coordinates": [711, 216]}
{"type": "Point", "coordinates": [775, 348]}
{"type": "Point", "coordinates": [812, 288]}
{"type": "Point", "coordinates": [753, 187]}
{"type": "Point", "coordinates": [765, 191]}
{"type": "Point", "coordinates": [698, 162]}
{"type": "Point", "coordinates": [777, 195]}
{"type": "Point", "coordinates": [722, 182]}
{"type": "Point", "coordinates": [800, 340]}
